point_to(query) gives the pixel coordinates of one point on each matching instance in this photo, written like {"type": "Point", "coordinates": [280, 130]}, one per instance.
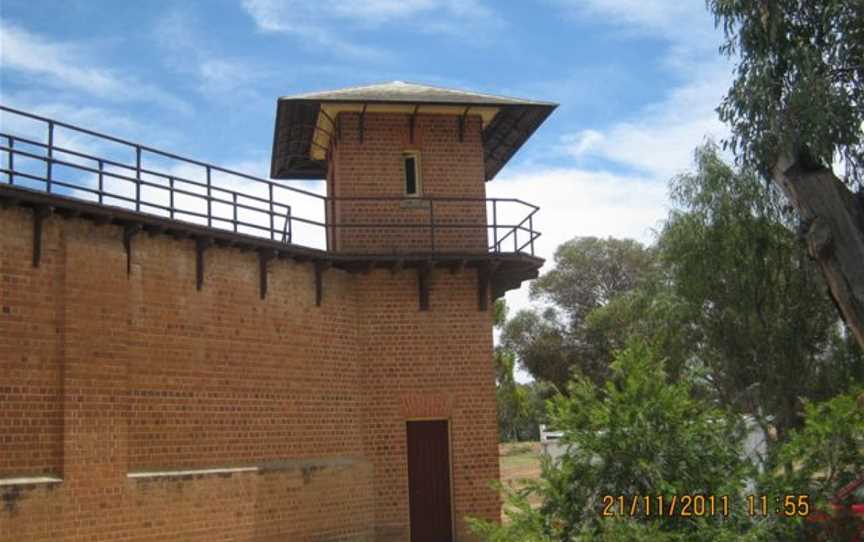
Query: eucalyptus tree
{"type": "Point", "coordinates": [796, 110]}
{"type": "Point", "coordinates": [552, 339]}
{"type": "Point", "coordinates": [753, 306]}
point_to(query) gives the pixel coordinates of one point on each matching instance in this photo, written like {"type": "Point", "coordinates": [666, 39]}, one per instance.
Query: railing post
{"type": "Point", "coordinates": [101, 180]}
{"type": "Point", "coordinates": [531, 230]}
{"type": "Point", "coordinates": [515, 238]}
{"type": "Point", "coordinates": [50, 163]}
{"type": "Point", "coordinates": [495, 223]}
{"type": "Point", "coordinates": [171, 197]}
{"type": "Point", "coordinates": [286, 230]}
{"type": "Point", "coordinates": [235, 211]}
{"type": "Point", "coordinates": [432, 224]}
{"type": "Point", "coordinates": [327, 218]}
{"type": "Point", "coordinates": [332, 225]}
{"type": "Point", "coordinates": [11, 159]}
{"type": "Point", "coordinates": [209, 201]}
{"type": "Point", "coordinates": [272, 216]}
{"type": "Point", "coordinates": [138, 177]}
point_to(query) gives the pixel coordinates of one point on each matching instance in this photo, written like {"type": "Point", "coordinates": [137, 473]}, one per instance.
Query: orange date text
{"type": "Point", "coordinates": [682, 506]}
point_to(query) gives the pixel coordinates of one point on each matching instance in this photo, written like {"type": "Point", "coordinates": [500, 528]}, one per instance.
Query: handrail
{"type": "Point", "coordinates": [148, 188]}
{"type": "Point", "coordinates": [166, 154]}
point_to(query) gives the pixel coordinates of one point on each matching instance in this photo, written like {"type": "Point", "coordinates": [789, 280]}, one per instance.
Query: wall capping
{"type": "Point", "coordinates": [30, 480]}
{"type": "Point", "coordinates": [261, 468]}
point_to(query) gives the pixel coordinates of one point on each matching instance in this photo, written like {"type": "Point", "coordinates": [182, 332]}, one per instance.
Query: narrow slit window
{"type": "Point", "coordinates": [412, 173]}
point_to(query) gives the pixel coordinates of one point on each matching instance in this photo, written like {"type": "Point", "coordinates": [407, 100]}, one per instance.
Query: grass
{"type": "Point", "coordinates": [519, 462]}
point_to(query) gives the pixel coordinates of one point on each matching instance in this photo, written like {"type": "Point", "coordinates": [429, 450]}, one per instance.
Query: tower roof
{"type": "Point", "coordinates": [304, 122]}
{"type": "Point", "coordinates": [402, 92]}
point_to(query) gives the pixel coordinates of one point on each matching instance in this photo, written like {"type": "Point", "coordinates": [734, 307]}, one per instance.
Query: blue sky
{"type": "Point", "coordinates": [637, 80]}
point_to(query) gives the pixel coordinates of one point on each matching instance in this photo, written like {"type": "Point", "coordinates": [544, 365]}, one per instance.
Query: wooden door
{"type": "Point", "coordinates": [429, 481]}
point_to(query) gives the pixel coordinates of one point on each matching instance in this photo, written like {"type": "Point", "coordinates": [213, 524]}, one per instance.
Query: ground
{"type": "Point", "coordinates": [520, 461]}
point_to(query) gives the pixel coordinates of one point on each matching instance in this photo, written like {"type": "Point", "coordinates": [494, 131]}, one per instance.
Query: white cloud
{"type": "Point", "coordinates": [252, 197]}
{"type": "Point", "coordinates": [279, 15]}
{"type": "Point", "coordinates": [659, 141]}
{"type": "Point", "coordinates": [65, 64]}
{"type": "Point", "coordinates": [583, 142]}
{"type": "Point", "coordinates": [324, 23]}
{"type": "Point", "coordinates": [674, 20]}
{"type": "Point", "coordinates": [576, 202]}
{"type": "Point", "coordinates": [655, 143]}
{"type": "Point", "coordinates": [223, 75]}
{"type": "Point", "coordinates": [686, 26]}
{"type": "Point", "coordinates": [192, 53]}
{"type": "Point", "coordinates": [68, 109]}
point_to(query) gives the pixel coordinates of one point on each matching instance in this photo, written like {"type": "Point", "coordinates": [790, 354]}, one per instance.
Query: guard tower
{"type": "Point", "coordinates": [406, 165]}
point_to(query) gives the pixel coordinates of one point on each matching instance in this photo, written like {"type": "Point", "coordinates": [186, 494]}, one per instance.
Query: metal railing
{"type": "Point", "coordinates": [223, 198]}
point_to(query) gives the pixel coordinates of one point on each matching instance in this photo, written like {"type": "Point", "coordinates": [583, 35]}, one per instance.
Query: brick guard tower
{"type": "Point", "coordinates": [177, 365]}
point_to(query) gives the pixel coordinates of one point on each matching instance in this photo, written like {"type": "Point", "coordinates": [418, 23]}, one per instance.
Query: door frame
{"type": "Point", "coordinates": [449, 468]}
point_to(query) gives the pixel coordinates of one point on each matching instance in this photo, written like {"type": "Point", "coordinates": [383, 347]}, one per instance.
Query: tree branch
{"type": "Point", "coordinates": [835, 236]}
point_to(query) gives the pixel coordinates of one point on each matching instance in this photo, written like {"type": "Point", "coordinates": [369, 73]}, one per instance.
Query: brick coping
{"type": "Point", "coordinates": [262, 468]}
{"type": "Point", "coordinates": [274, 466]}
{"type": "Point", "coordinates": [191, 472]}
{"type": "Point", "coordinates": [29, 480]}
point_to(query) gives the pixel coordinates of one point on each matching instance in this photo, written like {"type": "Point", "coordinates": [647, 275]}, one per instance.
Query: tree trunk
{"type": "Point", "coordinates": [833, 225]}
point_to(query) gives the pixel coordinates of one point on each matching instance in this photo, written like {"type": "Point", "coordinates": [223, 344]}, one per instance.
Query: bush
{"type": "Point", "coordinates": [637, 435]}
{"type": "Point", "coordinates": [819, 459]}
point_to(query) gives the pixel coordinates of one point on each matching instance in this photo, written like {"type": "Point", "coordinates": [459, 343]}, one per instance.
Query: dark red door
{"type": "Point", "coordinates": [429, 481]}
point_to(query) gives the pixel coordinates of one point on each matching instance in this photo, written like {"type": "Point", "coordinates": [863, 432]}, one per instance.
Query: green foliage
{"type": "Point", "coordinates": [521, 407]}
{"type": "Point", "coordinates": [732, 301]}
{"type": "Point", "coordinates": [511, 398]}
{"type": "Point", "coordinates": [638, 434]}
{"type": "Point", "coordinates": [819, 459]}
{"type": "Point", "coordinates": [540, 342]}
{"type": "Point", "coordinates": [642, 435]}
{"type": "Point", "coordinates": [654, 313]}
{"type": "Point", "coordinates": [847, 357]}
{"type": "Point", "coordinates": [753, 307]}
{"type": "Point", "coordinates": [798, 83]}
{"type": "Point", "coordinates": [499, 313]}
{"type": "Point", "coordinates": [524, 524]}
{"type": "Point", "coordinates": [725, 312]}
{"type": "Point", "coordinates": [588, 273]}
{"type": "Point", "coordinates": [521, 421]}
{"type": "Point", "coordinates": [828, 451]}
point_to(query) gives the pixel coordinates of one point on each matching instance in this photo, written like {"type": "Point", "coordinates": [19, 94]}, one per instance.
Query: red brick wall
{"type": "Point", "coordinates": [424, 365]}
{"type": "Point", "coordinates": [449, 168]}
{"type": "Point", "coordinates": [31, 350]}
{"type": "Point", "coordinates": [224, 378]}
{"type": "Point", "coordinates": [104, 374]}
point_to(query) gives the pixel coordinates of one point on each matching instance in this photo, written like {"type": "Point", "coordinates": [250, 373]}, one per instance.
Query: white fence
{"type": "Point", "coordinates": [754, 448]}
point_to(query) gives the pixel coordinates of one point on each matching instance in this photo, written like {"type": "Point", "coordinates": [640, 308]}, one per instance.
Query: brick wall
{"type": "Point", "coordinates": [435, 369]}
{"type": "Point", "coordinates": [374, 168]}
{"type": "Point", "coordinates": [31, 350]}
{"type": "Point", "coordinates": [104, 375]}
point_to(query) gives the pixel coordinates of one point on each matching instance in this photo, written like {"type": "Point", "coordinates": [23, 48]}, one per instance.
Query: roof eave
{"type": "Point", "coordinates": [493, 164]}
{"type": "Point", "coordinates": [285, 99]}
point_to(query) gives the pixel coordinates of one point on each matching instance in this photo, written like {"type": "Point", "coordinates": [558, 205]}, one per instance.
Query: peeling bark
{"type": "Point", "coordinates": [834, 234]}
